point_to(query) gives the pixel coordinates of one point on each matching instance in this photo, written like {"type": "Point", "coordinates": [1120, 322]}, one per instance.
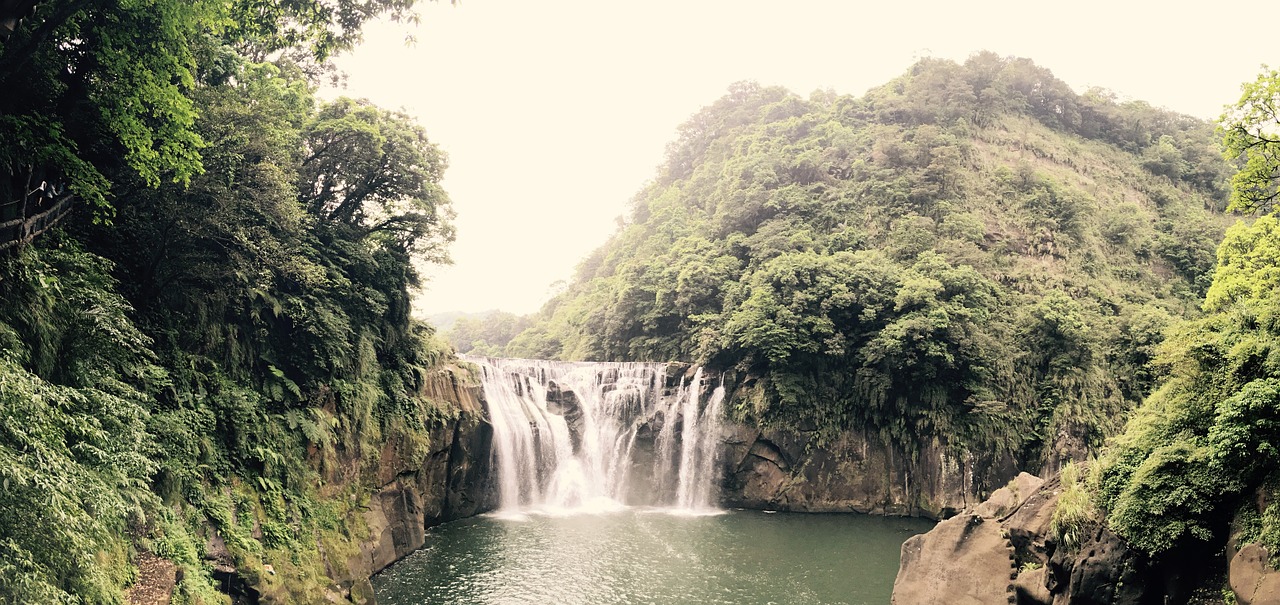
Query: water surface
{"type": "Point", "coordinates": [643, 556]}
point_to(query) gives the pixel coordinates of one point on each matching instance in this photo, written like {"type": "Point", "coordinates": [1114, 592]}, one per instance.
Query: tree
{"type": "Point", "coordinates": [217, 332]}
{"type": "Point", "coordinates": [94, 88]}
{"type": "Point", "coordinates": [1251, 134]}
{"type": "Point", "coordinates": [1205, 440]}
{"type": "Point", "coordinates": [98, 89]}
{"type": "Point", "coordinates": [374, 171]}
{"type": "Point", "coordinates": [885, 263]}
{"type": "Point", "coordinates": [305, 29]}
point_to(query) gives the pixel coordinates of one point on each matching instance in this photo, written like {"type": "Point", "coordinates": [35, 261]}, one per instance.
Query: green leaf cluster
{"type": "Point", "coordinates": [1204, 444]}
{"type": "Point", "coordinates": [1251, 134]}
{"type": "Point", "coordinates": [75, 454]}
{"type": "Point", "coordinates": [100, 91]}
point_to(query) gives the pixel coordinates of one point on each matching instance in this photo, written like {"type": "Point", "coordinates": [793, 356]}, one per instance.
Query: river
{"type": "Point", "coordinates": [643, 556]}
{"type": "Point", "coordinates": [607, 476]}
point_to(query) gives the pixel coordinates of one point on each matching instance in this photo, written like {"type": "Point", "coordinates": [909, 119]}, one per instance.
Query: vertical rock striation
{"type": "Point", "coordinates": [785, 470]}
{"type": "Point", "coordinates": [452, 481]}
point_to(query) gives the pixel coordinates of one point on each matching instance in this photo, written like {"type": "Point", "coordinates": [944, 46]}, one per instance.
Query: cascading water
{"type": "Point", "coordinates": [597, 436]}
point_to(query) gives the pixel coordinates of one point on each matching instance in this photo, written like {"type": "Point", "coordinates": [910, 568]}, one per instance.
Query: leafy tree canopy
{"type": "Point", "coordinates": [1251, 132]}
{"type": "Point", "coordinates": [102, 89]}
{"type": "Point", "coordinates": [239, 332]}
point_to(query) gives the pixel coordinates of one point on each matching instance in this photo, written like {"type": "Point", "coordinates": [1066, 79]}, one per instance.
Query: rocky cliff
{"type": "Point", "coordinates": [411, 488]}
{"type": "Point", "coordinates": [451, 482]}
{"type": "Point", "coordinates": [1005, 551]}
{"type": "Point", "coordinates": [1251, 575]}
{"type": "Point", "coordinates": [792, 469]}
{"type": "Point", "coordinates": [787, 469]}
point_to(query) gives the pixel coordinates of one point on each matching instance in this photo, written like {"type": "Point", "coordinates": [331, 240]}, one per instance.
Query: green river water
{"type": "Point", "coordinates": [638, 556]}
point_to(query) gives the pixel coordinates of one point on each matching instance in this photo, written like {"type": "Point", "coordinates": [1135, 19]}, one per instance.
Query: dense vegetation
{"type": "Point", "coordinates": [970, 252]}
{"type": "Point", "coordinates": [973, 253]}
{"type": "Point", "coordinates": [226, 325]}
{"type": "Point", "coordinates": [480, 333]}
{"type": "Point", "coordinates": [1204, 445]}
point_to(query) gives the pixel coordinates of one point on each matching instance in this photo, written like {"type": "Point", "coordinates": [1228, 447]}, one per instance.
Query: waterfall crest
{"type": "Point", "coordinates": [587, 436]}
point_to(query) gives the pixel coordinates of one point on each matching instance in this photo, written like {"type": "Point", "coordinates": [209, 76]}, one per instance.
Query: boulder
{"type": "Point", "coordinates": [962, 561]}
{"type": "Point", "coordinates": [1252, 578]}
{"type": "Point", "coordinates": [1008, 498]}
{"type": "Point", "coordinates": [972, 558]}
{"type": "Point", "coordinates": [1105, 571]}
{"type": "Point", "coordinates": [1030, 587]}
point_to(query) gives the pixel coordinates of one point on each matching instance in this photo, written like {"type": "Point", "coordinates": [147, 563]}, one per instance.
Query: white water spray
{"type": "Point", "coordinates": [572, 436]}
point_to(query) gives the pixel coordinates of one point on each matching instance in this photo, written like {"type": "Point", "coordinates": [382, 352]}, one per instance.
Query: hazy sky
{"type": "Point", "coordinates": [554, 113]}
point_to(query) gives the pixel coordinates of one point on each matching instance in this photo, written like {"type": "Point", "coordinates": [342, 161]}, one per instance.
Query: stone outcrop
{"type": "Point", "coordinates": [970, 558]}
{"type": "Point", "coordinates": [1252, 578]}
{"type": "Point", "coordinates": [977, 570]}
{"type": "Point", "coordinates": [784, 470]}
{"type": "Point", "coordinates": [563, 401]}
{"type": "Point", "coordinates": [452, 480]}
{"type": "Point", "coordinates": [1003, 551]}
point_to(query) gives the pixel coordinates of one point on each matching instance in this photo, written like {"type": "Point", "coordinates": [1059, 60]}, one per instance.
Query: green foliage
{"type": "Point", "coordinates": [1258, 521]}
{"type": "Point", "coordinates": [234, 344]}
{"type": "Point", "coordinates": [75, 457]}
{"type": "Point", "coordinates": [971, 252]}
{"type": "Point", "coordinates": [1168, 498]}
{"type": "Point", "coordinates": [375, 172]}
{"type": "Point", "coordinates": [486, 334]}
{"type": "Point", "coordinates": [1206, 439]}
{"type": "Point", "coordinates": [308, 28]}
{"type": "Point", "coordinates": [100, 92]}
{"type": "Point", "coordinates": [1246, 430]}
{"type": "Point", "coordinates": [1073, 515]}
{"type": "Point", "coordinates": [104, 91]}
{"type": "Point", "coordinates": [1249, 130]}
{"type": "Point", "coordinates": [1248, 266]}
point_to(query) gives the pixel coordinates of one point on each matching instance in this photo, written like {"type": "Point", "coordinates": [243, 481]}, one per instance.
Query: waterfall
{"type": "Point", "coordinates": [580, 436]}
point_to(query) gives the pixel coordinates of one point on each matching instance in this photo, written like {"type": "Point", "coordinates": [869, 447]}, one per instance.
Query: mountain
{"type": "Point", "coordinates": [972, 252]}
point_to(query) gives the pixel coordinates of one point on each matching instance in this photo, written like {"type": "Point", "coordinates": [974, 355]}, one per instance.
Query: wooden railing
{"type": "Point", "coordinates": [30, 217]}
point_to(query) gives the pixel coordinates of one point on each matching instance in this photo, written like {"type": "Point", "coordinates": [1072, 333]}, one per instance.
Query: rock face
{"type": "Point", "coordinates": [782, 470]}
{"type": "Point", "coordinates": [1002, 551]}
{"type": "Point", "coordinates": [452, 481]}
{"type": "Point", "coordinates": [563, 401]}
{"type": "Point", "coordinates": [968, 559]}
{"type": "Point", "coordinates": [978, 564]}
{"type": "Point", "coordinates": [1252, 578]}
{"type": "Point", "coordinates": [1249, 571]}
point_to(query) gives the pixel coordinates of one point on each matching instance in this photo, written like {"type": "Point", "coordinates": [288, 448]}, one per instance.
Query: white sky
{"type": "Point", "coordinates": [555, 112]}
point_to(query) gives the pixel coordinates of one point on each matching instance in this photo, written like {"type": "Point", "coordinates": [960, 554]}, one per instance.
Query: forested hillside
{"type": "Point", "coordinates": [973, 253]}
{"type": "Point", "coordinates": [1199, 459]}
{"type": "Point", "coordinates": [1181, 505]}
{"type": "Point", "coordinates": [204, 363]}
